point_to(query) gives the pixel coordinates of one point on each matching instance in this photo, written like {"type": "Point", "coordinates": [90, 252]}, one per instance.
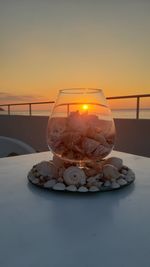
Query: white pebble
{"type": "Point", "coordinates": [82, 189]}
{"type": "Point", "coordinates": [131, 173]}
{"type": "Point", "coordinates": [123, 171]}
{"type": "Point", "coordinates": [60, 180]}
{"type": "Point", "coordinates": [94, 189]}
{"type": "Point", "coordinates": [31, 177]}
{"type": "Point", "coordinates": [92, 179]}
{"type": "Point", "coordinates": [121, 181]}
{"type": "Point", "coordinates": [99, 184]}
{"type": "Point", "coordinates": [35, 181]}
{"type": "Point", "coordinates": [59, 186]}
{"type": "Point", "coordinates": [71, 188]}
{"type": "Point", "coordinates": [37, 175]}
{"type": "Point", "coordinates": [50, 183]}
{"type": "Point", "coordinates": [115, 185]}
{"type": "Point", "coordinates": [129, 178]}
{"type": "Point", "coordinates": [107, 184]}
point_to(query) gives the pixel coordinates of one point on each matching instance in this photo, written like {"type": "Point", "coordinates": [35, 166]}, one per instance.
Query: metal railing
{"type": "Point", "coordinates": [30, 104]}
{"type": "Point", "coordinates": [137, 97]}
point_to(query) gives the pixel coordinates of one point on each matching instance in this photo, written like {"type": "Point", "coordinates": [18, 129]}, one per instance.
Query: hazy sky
{"type": "Point", "coordinates": [51, 44]}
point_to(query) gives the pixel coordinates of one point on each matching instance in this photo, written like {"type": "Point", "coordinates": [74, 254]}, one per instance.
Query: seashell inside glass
{"type": "Point", "coordinates": [81, 127]}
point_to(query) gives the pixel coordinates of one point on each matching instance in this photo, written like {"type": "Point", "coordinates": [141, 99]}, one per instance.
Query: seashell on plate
{"type": "Point", "coordinates": [59, 187]}
{"type": "Point", "coordinates": [83, 189]}
{"type": "Point", "coordinates": [47, 168]}
{"type": "Point", "coordinates": [31, 176]}
{"type": "Point", "coordinates": [71, 188]}
{"type": "Point", "coordinates": [74, 176]}
{"type": "Point", "coordinates": [130, 176]}
{"type": "Point", "coordinates": [35, 181]}
{"type": "Point", "coordinates": [90, 172]}
{"type": "Point", "coordinates": [107, 183]}
{"type": "Point", "coordinates": [93, 189]}
{"type": "Point", "coordinates": [115, 185]}
{"type": "Point", "coordinates": [116, 162]}
{"type": "Point", "coordinates": [50, 183]}
{"type": "Point", "coordinates": [60, 180]}
{"type": "Point", "coordinates": [99, 184]}
{"type": "Point", "coordinates": [121, 181]}
{"type": "Point", "coordinates": [110, 172]}
{"type": "Point", "coordinates": [124, 172]}
{"type": "Point", "coordinates": [93, 179]}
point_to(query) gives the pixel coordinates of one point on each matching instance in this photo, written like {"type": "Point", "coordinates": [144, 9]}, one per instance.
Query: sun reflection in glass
{"type": "Point", "coordinates": [85, 107]}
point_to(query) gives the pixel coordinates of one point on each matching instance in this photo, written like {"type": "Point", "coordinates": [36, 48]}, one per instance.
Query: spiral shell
{"type": "Point", "coordinates": [47, 168]}
{"type": "Point", "coordinates": [74, 176]}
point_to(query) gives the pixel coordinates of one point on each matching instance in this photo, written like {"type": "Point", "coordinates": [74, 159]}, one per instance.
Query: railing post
{"type": "Point", "coordinates": [137, 107]}
{"type": "Point", "coordinates": [8, 109]}
{"type": "Point", "coordinates": [30, 110]}
{"type": "Point", "coordinates": [67, 109]}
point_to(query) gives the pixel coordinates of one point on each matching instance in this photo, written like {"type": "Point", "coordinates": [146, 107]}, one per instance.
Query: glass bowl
{"type": "Point", "coordinates": [81, 127]}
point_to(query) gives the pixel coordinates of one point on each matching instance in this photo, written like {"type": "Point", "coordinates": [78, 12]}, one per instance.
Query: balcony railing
{"type": "Point", "coordinates": [31, 104]}
{"type": "Point", "coordinates": [137, 97]}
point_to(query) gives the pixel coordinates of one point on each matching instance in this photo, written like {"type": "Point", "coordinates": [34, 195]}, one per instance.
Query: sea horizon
{"type": "Point", "coordinates": [116, 113]}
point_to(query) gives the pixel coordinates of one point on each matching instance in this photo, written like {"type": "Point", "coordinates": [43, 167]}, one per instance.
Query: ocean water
{"type": "Point", "coordinates": [116, 113]}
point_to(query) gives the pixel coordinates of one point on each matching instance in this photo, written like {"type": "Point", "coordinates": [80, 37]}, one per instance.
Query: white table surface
{"type": "Point", "coordinates": [39, 228]}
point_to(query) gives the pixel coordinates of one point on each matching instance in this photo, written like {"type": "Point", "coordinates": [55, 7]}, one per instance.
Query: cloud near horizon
{"type": "Point", "coordinates": [9, 98]}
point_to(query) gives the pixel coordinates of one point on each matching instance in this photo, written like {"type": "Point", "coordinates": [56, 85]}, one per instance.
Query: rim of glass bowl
{"type": "Point", "coordinates": [80, 91]}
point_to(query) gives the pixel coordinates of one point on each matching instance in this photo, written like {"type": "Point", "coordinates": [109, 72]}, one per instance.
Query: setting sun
{"type": "Point", "coordinates": [85, 107]}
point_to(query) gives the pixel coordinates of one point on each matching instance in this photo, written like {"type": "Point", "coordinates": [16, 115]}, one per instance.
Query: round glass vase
{"type": "Point", "coordinates": [81, 127]}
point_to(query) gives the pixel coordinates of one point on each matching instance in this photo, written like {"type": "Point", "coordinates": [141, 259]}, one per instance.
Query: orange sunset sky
{"type": "Point", "coordinates": [51, 44]}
